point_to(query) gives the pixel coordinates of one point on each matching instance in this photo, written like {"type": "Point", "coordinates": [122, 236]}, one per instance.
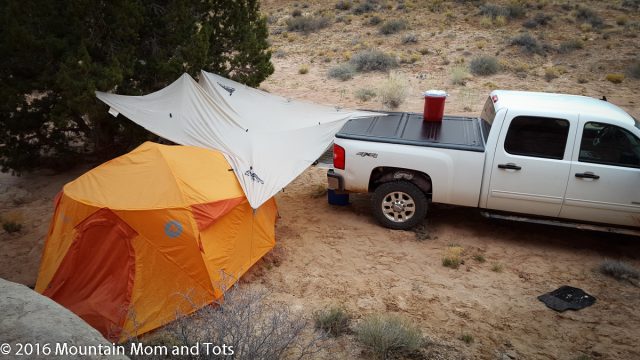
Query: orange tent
{"type": "Point", "coordinates": [145, 236]}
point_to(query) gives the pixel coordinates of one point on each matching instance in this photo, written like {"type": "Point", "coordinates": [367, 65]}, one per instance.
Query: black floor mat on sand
{"type": "Point", "coordinates": [567, 298]}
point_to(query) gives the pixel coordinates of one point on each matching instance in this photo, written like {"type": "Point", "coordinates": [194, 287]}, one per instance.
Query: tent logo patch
{"type": "Point", "coordinates": [254, 177]}
{"type": "Point", "coordinates": [173, 229]}
{"type": "Point", "coordinates": [228, 88]}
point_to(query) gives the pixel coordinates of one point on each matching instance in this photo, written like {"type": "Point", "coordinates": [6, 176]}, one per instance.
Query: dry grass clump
{"type": "Point", "coordinates": [393, 26]}
{"type": "Point", "coordinates": [303, 69]}
{"type": "Point", "coordinates": [342, 72]}
{"type": "Point", "coordinates": [615, 78]}
{"type": "Point", "coordinates": [410, 39]}
{"type": "Point", "coordinates": [334, 321]}
{"type": "Point", "coordinates": [364, 94]}
{"type": "Point", "coordinates": [374, 20]}
{"type": "Point", "coordinates": [484, 65]}
{"type": "Point", "coordinates": [466, 338]}
{"type": "Point", "coordinates": [570, 45]}
{"type": "Point", "coordinates": [393, 91]}
{"type": "Point", "coordinates": [307, 24]}
{"type": "Point", "coordinates": [620, 271]}
{"type": "Point", "coordinates": [388, 335]}
{"type": "Point", "coordinates": [511, 11]}
{"type": "Point", "coordinates": [453, 257]}
{"type": "Point", "coordinates": [373, 60]}
{"type": "Point", "coordinates": [12, 221]}
{"type": "Point", "coordinates": [551, 73]}
{"type": "Point", "coordinates": [459, 75]}
{"type": "Point", "coordinates": [497, 267]}
{"type": "Point", "coordinates": [11, 226]}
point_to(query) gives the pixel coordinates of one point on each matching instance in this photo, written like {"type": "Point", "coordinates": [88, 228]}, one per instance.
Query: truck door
{"type": "Point", "coordinates": [604, 182]}
{"type": "Point", "coordinates": [531, 163]}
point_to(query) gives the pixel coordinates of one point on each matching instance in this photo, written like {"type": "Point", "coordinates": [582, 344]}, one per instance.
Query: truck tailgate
{"type": "Point", "coordinates": [454, 132]}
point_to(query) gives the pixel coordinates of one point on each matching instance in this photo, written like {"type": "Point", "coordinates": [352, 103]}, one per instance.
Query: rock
{"type": "Point", "coordinates": [30, 318]}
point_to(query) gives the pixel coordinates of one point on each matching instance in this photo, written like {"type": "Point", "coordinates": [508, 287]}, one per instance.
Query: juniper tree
{"type": "Point", "coordinates": [55, 54]}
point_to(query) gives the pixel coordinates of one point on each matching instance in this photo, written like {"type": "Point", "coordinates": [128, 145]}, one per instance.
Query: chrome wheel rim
{"type": "Point", "coordinates": [398, 206]}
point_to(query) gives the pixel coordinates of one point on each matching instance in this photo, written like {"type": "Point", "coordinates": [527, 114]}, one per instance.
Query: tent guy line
{"type": "Point", "coordinates": [286, 135]}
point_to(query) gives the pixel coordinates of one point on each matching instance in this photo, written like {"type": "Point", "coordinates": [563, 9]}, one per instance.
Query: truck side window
{"type": "Point", "coordinates": [610, 145]}
{"type": "Point", "coordinates": [537, 137]}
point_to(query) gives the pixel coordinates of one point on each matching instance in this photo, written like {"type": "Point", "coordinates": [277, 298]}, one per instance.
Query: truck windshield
{"type": "Point", "coordinates": [487, 116]}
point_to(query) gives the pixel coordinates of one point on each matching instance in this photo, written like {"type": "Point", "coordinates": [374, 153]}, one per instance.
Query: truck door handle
{"type": "Point", "coordinates": [587, 175]}
{"type": "Point", "coordinates": [509, 166]}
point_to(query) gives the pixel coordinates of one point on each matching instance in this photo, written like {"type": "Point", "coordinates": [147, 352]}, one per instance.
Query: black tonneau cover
{"type": "Point", "coordinates": [455, 132]}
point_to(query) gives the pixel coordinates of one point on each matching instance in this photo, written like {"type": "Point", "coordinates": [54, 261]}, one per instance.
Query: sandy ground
{"type": "Point", "coordinates": [331, 255]}
{"type": "Point", "coordinates": [339, 256]}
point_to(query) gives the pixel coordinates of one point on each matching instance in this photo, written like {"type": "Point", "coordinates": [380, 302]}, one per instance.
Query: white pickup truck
{"type": "Point", "coordinates": [544, 157]}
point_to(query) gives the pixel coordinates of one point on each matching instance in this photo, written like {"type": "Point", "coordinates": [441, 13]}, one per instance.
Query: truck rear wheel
{"type": "Point", "coordinates": [399, 205]}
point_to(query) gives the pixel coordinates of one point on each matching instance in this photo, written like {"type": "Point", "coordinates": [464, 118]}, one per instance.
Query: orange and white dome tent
{"type": "Point", "coordinates": [145, 236]}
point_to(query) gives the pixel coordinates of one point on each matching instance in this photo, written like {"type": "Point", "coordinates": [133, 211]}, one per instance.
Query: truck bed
{"type": "Point", "coordinates": [455, 132]}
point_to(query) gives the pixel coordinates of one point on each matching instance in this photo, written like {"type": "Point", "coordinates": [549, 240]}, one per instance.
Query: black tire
{"type": "Point", "coordinates": [401, 193]}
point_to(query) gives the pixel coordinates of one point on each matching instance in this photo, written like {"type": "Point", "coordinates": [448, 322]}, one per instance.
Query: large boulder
{"type": "Point", "coordinates": [27, 317]}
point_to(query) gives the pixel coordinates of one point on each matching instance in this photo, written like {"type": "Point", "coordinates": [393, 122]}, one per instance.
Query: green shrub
{"type": "Point", "coordinates": [393, 26]}
{"type": "Point", "coordinates": [342, 72]}
{"type": "Point", "coordinates": [527, 43]}
{"type": "Point", "coordinates": [364, 94]}
{"type": "Point", "coordinates": [484, 65]}
{"type": "Point", "coordinates": [619, 270]}
{"type": "Point", "coordinates": [393, 91]}
{"type": "Point", "coordinates": [307, 24]}
{"type": "Point", "coordinates": [11, 226]}
{"type": "Point", "coordinates": [479, 258]}
{"type": "Point", "coordinates": [334, 321]}
{"type": "Point", "coordinates": [388, 334]}
{"type": "Point", "coordinates": [373, 60]}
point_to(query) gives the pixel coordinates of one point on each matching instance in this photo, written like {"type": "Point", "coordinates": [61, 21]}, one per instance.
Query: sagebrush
{"type": "Point", "coordinates": [373, 60]}
{"type": "Point", "coordinates": [484, 65]}
{"type": "Point", "coordinates": [387, 335]}
{"type": "Point", "coordinates": [334, 321]}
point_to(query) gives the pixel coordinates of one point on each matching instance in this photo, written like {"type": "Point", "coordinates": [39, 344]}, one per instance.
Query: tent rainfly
{"type": "Point", "coordinates": [268, 140]}
{"type": "Point", "coordinates": [147, 235]}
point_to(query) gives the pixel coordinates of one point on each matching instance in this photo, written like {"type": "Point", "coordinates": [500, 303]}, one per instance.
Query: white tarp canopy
{"type": "Point", "coordinates": [268, 140]}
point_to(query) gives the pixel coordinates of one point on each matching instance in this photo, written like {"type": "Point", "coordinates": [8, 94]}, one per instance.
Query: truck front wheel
{"type": "Point", "coordinates": [399, 205]}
